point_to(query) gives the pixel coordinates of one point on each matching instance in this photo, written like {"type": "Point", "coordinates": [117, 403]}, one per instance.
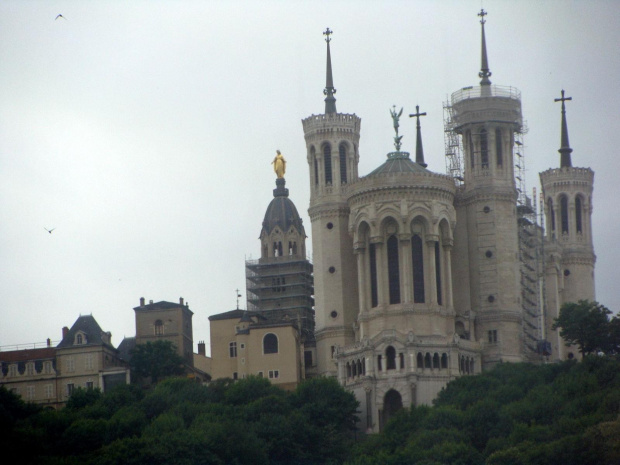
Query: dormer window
{"type": "Point", "coordinates": [79, 339]}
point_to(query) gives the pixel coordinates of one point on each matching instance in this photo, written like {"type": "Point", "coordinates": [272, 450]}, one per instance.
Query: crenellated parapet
{"type": "Point", "coordinates": [316, 126]}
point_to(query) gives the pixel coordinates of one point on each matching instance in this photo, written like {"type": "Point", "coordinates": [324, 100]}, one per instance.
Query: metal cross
{"type": "Point", "coordinates": [563, 99]}
{"type": "Point", "coordinates": [482, 14]}
{"type": "Point", "coordinates": [417, 114]}
{"type": "Point", "coordinates": [327, 33]}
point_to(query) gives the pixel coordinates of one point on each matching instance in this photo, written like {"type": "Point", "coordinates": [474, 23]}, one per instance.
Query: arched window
{"type": "Point", "coordinates": [342, 152]}
{"type": "Point", "coordinates": [417, 258]}
{"type": "Point", "coordinates": [427, 360]}
{"type": "Point", "coordinates": [159, 328]}
{"type": "Point", "coordinates": [420, 360]}
{"type": "Point", "coordinates": [436, 360]}
{"type": "Point", "coordinates": [372, 258]}
{"type": "Point", "coordinates": [564, 213]}
{"type": "Point", "coordinates": [444, 360]}
{"type": "Point", "coordinates": [270, 344]}
{"type": "Point", "coordinates": [392, 403]}
{"type": "Point", "coordinates": [393, 270]}
{"type": "Point", "coordinates": [348, 370]}
{"type": "Point", "coordinates": [472, 156]}
{"type": "Point", "coordinates": [499, 146]}
{"type": "Point", "coordinates": [360, 368]}
{"type": "Point", "coordinates": [316, 166]}
{"type": "Point", "coordinates": [471, 366]}
{"type": "Point", "coordinates": [578, 204]}
{"type": "Point", "coordinates": [327, 159]}
{"type": "Point", "coordinates": [354, 369]}
{"type": "Point", "coordinates": [401, 358]}
{"type": "Point", "coordinates": [390, 357]}
{"type": "Point", "coordinates": [551, 213]}
{"type": "Point", "coordinates": [438, 272]}
{"type": "Point", "coordinates": [379, 364]}
{"type": "Point", "coordinates": [484, 148]}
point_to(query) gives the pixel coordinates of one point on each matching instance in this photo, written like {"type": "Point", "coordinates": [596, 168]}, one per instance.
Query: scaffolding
{"type": "Point", "coordinates": [453, 147]}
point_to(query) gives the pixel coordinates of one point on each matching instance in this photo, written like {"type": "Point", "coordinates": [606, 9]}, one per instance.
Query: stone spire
{"type": "Point", "coordinates": [329, 91]}
{"type": "Point", "coordinates": [565, 149]}
{"type": "Point", "coordinates": [484, 73]}
{"type": "Point", "coordinates": [419, 150]}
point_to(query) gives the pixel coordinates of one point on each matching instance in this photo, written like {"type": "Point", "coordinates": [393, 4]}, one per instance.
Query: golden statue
{"type": "Point", "coordinates": [279, 164]}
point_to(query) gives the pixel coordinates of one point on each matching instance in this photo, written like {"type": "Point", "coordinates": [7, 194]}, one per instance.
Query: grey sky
{"type": "Point", "coordinates": [144, 131]}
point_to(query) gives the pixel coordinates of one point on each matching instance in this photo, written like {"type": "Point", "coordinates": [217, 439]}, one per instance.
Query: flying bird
{"type": "Point", "coordinates": [61, 16]}
{"type": "Point", "coordinates": [49, 230]}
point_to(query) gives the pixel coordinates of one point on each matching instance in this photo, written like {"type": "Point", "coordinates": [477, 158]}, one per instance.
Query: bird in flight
{"type": "Point", "coordinates": [61, 16]}
{"type": "Point", "coordinates": [49, 230]}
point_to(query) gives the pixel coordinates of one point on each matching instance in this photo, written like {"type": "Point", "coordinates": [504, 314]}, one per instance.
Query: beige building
{"type": "Point", "coordinates": [421, 277]}
{"type": "Point", "coordinates": [84, 358]}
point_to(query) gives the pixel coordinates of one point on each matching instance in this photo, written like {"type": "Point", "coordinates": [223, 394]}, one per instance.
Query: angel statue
{"type": "Point", "coordinates": [395, 118]}
{"type": "Point", "coordinates": [279, 165]}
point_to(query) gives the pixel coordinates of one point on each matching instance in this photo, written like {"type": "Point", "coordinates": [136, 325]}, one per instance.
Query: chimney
{"type": "Point", "coordinates": [181, 301]}
{"type": "Point", "coordinates": [65, 331]}
{"type": "Point", "coordinates": [141, 301]}
{"type": "Point", "coordinates": [202, 348]}
{"type": "Point", "coordinates": [49, 342]}
{"type": "Point", "coordinates": [151, 302]}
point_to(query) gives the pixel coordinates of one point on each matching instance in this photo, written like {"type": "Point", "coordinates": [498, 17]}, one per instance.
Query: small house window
{"type": "Point", "coordinates": [159, 328]}
{"type": "Point", "coordinates": [232, 349]}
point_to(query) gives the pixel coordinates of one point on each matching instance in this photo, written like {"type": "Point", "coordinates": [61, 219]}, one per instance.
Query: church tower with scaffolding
{"type": "Point", "coordinates": [569, 250]}
{"type": "Point", "coordinates": [332, 142]}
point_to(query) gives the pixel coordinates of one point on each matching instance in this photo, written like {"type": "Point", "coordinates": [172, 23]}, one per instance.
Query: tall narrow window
{"type": "Point", "coordinates": [390, 358]}
{"type": "Point", "coordinates": [417, 256]}
{"type": "Point", "coordinates": [438, 272]}
{"type": "Point", "coordinates": [551, 213]}
{"type": "Point", "coordinates": [472, 157]}
{"type": "Point", "coordinates": [343, 163]}
{"type": "Point", "coordinates": [578, 214]}
{"type": "Point", "coordinates": [327, 158]}
{"type": "Point", "coordinates": [159, 328]}
{"type": "Point", "coordinates": [316, 166]}
{"type": "Point", "coordinates": [564, 213]}
{"type": "Point", "coordinates": [270, 344]}
{"type": "Point", "coordinates": [372, 258]}
{"type": "Point", "coordinates": [232, 349]}
{"type": "Point", "coordinates": [499, 146]}
{"type": "Point", "coordinates": [484, 148]}
{"type": "Point", "coordinates": [393, 272]}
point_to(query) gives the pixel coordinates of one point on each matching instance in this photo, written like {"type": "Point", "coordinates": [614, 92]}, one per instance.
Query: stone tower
{"type": "Point", "coordinates": [332, 141]}
{"type": "Point", "coordinates": [487, 118]}
{"type": "Point", "coordinates": [569, 253]}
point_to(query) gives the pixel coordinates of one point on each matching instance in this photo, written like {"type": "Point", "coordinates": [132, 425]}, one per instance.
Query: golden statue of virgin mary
{"type": "Point", "coordinates": [279, 165]}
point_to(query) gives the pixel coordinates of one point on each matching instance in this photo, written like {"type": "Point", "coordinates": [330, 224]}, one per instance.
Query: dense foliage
{"type": "Point", "coordinates": [155, 361]}
{"type": "Point", "coordinates": [182, 422]}
{"type": "Point", "coordinates": [515, 414]}
{"type": "Point", "coordinates": [588, 325]}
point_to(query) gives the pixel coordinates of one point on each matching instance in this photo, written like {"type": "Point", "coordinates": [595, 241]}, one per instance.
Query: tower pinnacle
{"type": "Point", "coordinates": [419, 151]}
{"type": "Point", "coordinates": [484, 73]}
{"type": "Point", "coordinates": [565, 149]}
{"type": "Point", "coordinates": [329, 91]}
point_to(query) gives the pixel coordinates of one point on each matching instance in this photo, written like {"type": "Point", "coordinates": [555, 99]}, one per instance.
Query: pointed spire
{"type": "Point", "coordinates": [565, 149]}
{"type": "Point", "coordinates": [484, 73]}
{"type": "Point", "coordinates": [419, 151]}
{"type": "Point", "coordinates": [330, 101]}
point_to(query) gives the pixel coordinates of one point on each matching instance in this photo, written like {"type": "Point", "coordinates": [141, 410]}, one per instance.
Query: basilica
{"type": "Point", "coordinates": [418, 277]}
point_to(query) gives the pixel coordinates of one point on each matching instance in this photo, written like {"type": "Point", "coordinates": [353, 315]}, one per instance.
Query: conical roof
{"type": "Point", "coordinates": [282, 212]}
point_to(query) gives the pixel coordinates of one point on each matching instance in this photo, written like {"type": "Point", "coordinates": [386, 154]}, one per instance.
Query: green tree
{"type": "Point", "coordinates": [156, 360]}
{"type": "Point", "coordinates": [585, 324]}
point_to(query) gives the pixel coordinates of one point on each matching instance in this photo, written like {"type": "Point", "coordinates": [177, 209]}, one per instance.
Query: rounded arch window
{"type": "Point", "coordinates": [270, 344]}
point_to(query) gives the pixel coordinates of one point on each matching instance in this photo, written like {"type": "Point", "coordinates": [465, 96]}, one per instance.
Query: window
{"type": "Point", "coordinates": [316, 166]}
{"type": "Point", "coordinates": [242, 346]}
{"type": "Point", "coordinates": [235, 375]}
{"type": "Point", "coordinates": [436, 360]}
{"type": "Point", "coordinates": [274, 374]}
{"type": "Point", "coordinates": [270, 344]}
{"type": "Point", "coordinates": [13, 370]}
{"type": "Point", "coordinates": [343, 163]}
{"type": "Point", "coordinates": [47, 367]}
{"type": "Point", "coordinates": [578, 214]}
{"type": "Point", "coordinates": [70, 364]}
{"type": "Point", "coordinates": [30, 369]}
{"type": "Point", "coordinates": [308, 358]}
{"type": "Point", "coordinates": [427, 360]}
{"type": "Point", "coordinates": [49, 391]}
{"type": "Point", "coordinates": [390, 357]}
{"type": "Point", "coordinates": [89, 385]}
{"type": "Point", "coordinates": [420, 360]}
{"type": "Point", "coordinates": [493, 336]}
{"type": "Point", "coordinates": [484, 148]}
{"type": "Point", "coordinates": [393, 271]}
{"type": "Point", "coordinates": [29, 392]}
{"type": "Point", "coordinates": [89, 361]}
{"type": "Point", "coordinates": [372, 258]}
{"type": "Point", "coordinates": [260, 374]}
{"type": "Point", "coordinates": [159, 328]}
{"type": "Point", "coordinates": [79, 339]}
{"type": "Point", "coordinates": [401, 358]}
{"type": "Point", "coordinates": [232, 349]}
{"type": "Point", "coordinates": [327, 158]}
{"type": "Point", "coordinates": [438, 272]}
{"type": "Point", "coordinates": [564, 213]}
{"type": "Point", "coordinates": [551, 213]}
{"type": "Point", "coordinates": [379, 364]}
{"type": "Point", "coordinates": [499, 146]}
{"type": "Point", "coordinates": [333, 351]}
{"type": "Point", "coordinates": [417, 256]}
{"type": "Point", "coordinates": [70, 388]}
{"type": "Point", "coordinates": [444, 360]}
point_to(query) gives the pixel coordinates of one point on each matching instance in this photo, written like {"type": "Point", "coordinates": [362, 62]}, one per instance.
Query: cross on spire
{"type": "Point", "coordinates": [565, 150]}
{"type": "Point", "coordinates": [327, 33]}
{"type": "Point", "coordinates": [482, 14]}
{"type": "Point", "coordinates": [485, 72]}
{"type": "Point", "coordinates": [329, 91]}
{"type": "Point", "coordinates": [419, 151]}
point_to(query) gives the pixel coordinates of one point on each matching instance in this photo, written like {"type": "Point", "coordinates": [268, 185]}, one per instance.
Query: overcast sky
{"type": "Point", "coordinates": [143, 132]}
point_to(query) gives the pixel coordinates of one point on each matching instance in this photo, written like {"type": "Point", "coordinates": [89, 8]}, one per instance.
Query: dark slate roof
{"type": "Point", "coordinates": [282, 211]}
{"type": "Point", "coordinates": [233, 315]}
{"type": "Point", "coordinates": [399, 164]}
{"type": "Point", "coordinates": [125, 348]}
{"type": "Point", "coordinates": [88, 325]}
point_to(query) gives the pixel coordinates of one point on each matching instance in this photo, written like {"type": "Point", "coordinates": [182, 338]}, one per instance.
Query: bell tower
{"type": "Point", "coordinates": [332, 141]}
{"type": "Point", "coordinates": [569, 252]}
{"type": "Point", "coordinates": [487, 117]}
